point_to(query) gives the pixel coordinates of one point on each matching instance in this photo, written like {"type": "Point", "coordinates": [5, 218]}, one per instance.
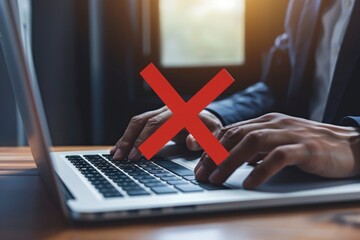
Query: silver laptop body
{"type": "Point", "coordinates": [89, 186]}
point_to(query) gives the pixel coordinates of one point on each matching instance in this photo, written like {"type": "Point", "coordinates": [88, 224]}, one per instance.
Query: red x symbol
{"type": "Point", "coordinates": [185, 114]}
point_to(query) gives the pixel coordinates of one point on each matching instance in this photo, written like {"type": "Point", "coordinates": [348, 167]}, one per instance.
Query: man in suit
{"type": "Point", "coordinates": [312, 76]}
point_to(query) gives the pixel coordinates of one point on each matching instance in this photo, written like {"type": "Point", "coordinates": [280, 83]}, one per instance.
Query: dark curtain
{"type": "Point", "coordinates": [58, 68]}
{"type": "Point", "coordinates": [62, 58]}
{"type": "Point", "coordinates": [62, 55]}
{"type": "Point", "coordinates": [8, 131]}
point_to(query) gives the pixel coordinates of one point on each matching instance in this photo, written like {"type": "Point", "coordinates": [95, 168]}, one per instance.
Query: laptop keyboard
{"type": "Point", "coordinates": [96, 179]}
{"type": "Point", "coordinates": [114, 178]}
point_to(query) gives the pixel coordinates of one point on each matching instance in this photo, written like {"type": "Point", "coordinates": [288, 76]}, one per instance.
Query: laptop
{"type": "Point", "coordinates": [90, 186]}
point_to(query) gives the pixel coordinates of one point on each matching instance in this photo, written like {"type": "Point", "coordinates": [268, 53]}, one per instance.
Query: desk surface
{"type": "Point", "coordinates": [26, 212]}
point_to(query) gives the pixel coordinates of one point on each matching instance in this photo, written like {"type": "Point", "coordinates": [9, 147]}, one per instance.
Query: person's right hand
{"type": "Point", "coordinates": [143, 125]}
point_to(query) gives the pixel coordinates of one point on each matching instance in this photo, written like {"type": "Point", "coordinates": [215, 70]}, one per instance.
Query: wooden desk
{"type": "Point", "coordinates": [26, 212]}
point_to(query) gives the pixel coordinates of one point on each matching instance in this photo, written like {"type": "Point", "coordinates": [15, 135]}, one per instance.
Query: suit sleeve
{"type": "Point", "coordinates": [351, 121]}
{"type": "Point", "coordinates": [262, 97]}
{"type": "Point", "coordinates": [253, 101]}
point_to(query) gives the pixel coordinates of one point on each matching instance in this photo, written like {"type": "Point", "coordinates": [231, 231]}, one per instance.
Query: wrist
{"type": "Point", "coordinates": [214, 115]}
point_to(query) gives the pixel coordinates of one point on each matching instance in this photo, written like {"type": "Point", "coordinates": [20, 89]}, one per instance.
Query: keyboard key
{"type": "Point", "coordinates": [177, 182]}
{"type": "Point", "coordinates": [190, 178]}
{"type": "Point", "coordinates": [137, 193]}
{"type": "Point", "coordinates": [123, 181]}
{"type": "Point", "coordinates": [163, 190]}
{"type": "Point", "coordinates": [105, 188]}
{"type": "Point", "coordinates": [210, 187]}
{"type": "Point", "coordinates": [121, 177]}
{"type": "Point", "coordinates": [150, 166]}
{"type": "Point", "coordinates": [132, 188]}
{"type": "Point", "coordinates": [157, 171]}
{"type": "Point", "coordinates": [195, 182]}
{"type": "Point", "coordinates": [107, 156]}
{"type": "Point", "coordinates": [174, 167]}
{"type": "Point", "coordinates": [160, 175]}
{"type": "Point", "coordinates": [112, 194]}
{"type": "Point", "coordinates": [143, 177]}
{"type": "Point", "coordinates": [159, 184]}
{"type": "Point", "coordinates": [99, 181]}
{"type": "Point", "coordinates": [150, 181]}
{"type": "Point", "coordinates": [127, 184]}
{"type": "Point", "coordinates": [144, 172]}
{"type": "Point", "coordinates": [189, 188]}
{"type": "Point", "coordinates": [172, 178]}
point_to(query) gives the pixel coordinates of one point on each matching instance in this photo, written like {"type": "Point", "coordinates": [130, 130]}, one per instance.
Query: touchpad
{"type": "Point", "coordinates": [290, 179]}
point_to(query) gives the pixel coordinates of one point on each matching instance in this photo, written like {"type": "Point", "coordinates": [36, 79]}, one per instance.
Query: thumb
{"type": "Point", "coordinates": [192, 144]}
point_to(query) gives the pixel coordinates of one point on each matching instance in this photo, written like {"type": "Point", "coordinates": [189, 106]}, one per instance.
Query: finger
{"type": "Point", "coordinates": [235, 134]}
{"type": "Point", "coordinates": [150, 127]}
{"type": "Point", "coordinates": [113, 150]}
{"type": "Point", "coordinates": [210, 120]}
{"type": "Point", "coordinates": [209, 167]}
{"type": "Point", "coordinates": [192, 144]}
{"type": "Point", "coordinates": [208, 161]}
{"type": "Point", "coordinates": [198, 165]}
{"type": "Point", "coordinates": [134, 127]}
{"type": "Point", "coordinates": [203, 156]}
{"type": "Point", "coordinates": [137, 123]}
{"type": "Point", "coordinates": [257, 158]}
{"type": "Point", "coordinates": [253, 143]}
{"type": "Point", "coordinates": [231, 136]}
{"type": "Point", "coordinates": [228, 140]}
{"type": "Point", "coordinates": [278, 159]}
{"type": "Point", "coordinates": [203, 169]}
{"type": "Point", "coordinates": [262, 119]}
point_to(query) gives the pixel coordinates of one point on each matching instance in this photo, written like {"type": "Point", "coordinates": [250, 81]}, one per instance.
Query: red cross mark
{"type": "Point", "coordinates": [185, 114]}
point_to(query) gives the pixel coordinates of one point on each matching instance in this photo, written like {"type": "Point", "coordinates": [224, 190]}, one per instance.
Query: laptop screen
{"type": "Point", "coordinates": [24, 82]}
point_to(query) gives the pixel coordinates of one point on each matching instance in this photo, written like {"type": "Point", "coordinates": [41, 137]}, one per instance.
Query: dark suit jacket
{"type": "Point", "coordinates": [287, 75]}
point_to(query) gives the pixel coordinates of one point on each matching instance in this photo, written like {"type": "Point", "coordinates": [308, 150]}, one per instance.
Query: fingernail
{"type": "Point", "coordinates": [215, 177]}
{"type": "Point", "coordinates": [201, 174]}
{"type": "Point", "coordinates": [118, 155]}
{"type": "Point", "coordinates": [202, 158]}
{"type": "Point", "coordinates": [113, 150]}
{"type": "Point", "coordinates": [134, 155]}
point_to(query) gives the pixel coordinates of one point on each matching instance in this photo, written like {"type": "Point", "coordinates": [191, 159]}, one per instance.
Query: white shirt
{"type": "Point", "coordinates": [334, 22]}
{"type": "Point", "coordinates": [25, 21]}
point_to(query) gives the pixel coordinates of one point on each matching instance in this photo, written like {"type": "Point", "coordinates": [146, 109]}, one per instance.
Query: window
{"type": "Point", "coordinates": [201, 32]}
{"type": "Point", "coordinates": [192, 40]}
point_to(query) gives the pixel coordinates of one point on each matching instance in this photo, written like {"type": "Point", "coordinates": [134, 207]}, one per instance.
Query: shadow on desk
{"type": "Point", "coordinates": [23, 200]}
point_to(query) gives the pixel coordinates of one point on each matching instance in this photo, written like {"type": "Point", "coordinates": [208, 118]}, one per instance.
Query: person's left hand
{"type": "Point", "coordinates": [279, 141]}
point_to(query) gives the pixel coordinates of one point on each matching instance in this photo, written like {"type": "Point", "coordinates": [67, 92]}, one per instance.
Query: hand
{"type": "Point", "coordinates": [143, 125]}
{"type": "Point", "coordinates": [279, 141]}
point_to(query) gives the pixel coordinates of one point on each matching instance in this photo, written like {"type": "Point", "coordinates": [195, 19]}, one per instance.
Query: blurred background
{"type": "Point", "coordinates": [88, 55]}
